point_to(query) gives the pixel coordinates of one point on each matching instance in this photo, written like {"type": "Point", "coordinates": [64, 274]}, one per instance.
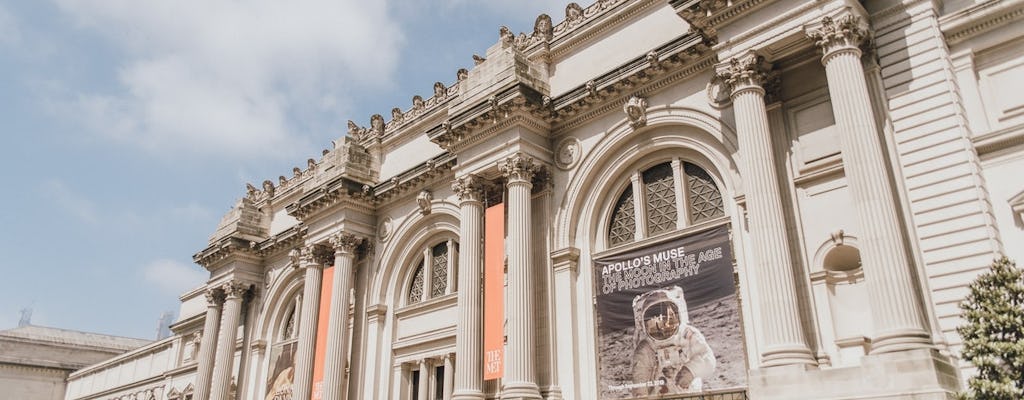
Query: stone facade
{"type": "Point", "coordinates": [35, 361]}
{"type": "Point", "coordinates": [863, 158]}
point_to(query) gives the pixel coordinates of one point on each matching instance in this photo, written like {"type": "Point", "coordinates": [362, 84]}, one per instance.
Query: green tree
{"type": "Point", "coordinates": [993, 333]}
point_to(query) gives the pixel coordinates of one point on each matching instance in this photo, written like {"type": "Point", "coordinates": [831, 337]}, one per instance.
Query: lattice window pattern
{"type": "Point", "coordinates": [661, 199]}
{"type": "Point", "coordinates": [623, 226]}
{"type": "Point", "coordinates": [439, 270]}
{"type": "Point", "coordinates": [416, 289]}
{"type": "Point", "coordinates": [705, 198]}
{"type": "Point", "coordinates": [289, 327]}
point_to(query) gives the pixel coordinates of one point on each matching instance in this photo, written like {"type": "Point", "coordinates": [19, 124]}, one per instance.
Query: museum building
{"type": "Point", "coordinates": [672, 199]}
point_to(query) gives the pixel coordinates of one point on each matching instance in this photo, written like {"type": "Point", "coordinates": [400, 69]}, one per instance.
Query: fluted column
{"type": "Point", "coordinates": [424, 381]}
{"type": "Point", "coordinates": [784, 342]}
{"type": "Point", "coordinates": [208, 346]}
{"type": "Point", "coordinates": [337, 324]}
{"type": "Point", "coordinates": [520, 380]}
{"type": "Point", "coordinates": [303, 383]}
{"type": "Point", "coordinates": [469, 379]}
{"type": "Point", "coordinates": [234, 291]}
{"type": "Point", "coordinates": [898, 320]}
{"type": "Point", "coordinates": [449, 377]}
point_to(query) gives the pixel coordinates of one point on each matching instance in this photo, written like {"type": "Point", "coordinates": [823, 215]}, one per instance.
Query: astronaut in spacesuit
{"type": "Point", "coordinates": [669, 353]}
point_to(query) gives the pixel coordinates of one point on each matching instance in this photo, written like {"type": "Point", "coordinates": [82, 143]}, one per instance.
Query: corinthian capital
{"type": "Point", "coordinates": [345, 243]}
{"type": "Point", "coordinates": [834, 35]}
{"type": "Point", "coordinates": [744, 72]}
{"type": "Point", "coordinates": [214, 296]}
{"type": "Point", "coordinates": [519, 168]}
{"type": "Point", "coordinates": [234, 289]}
{"type": "Point", "coordinates": [469, 188]}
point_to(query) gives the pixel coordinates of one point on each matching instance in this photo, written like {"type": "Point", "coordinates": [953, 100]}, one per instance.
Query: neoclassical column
{"type": "Point", "coordinates": [313, 271]}
{"type": "Point", "coordinates": [449, 376]}
{"type": "Point", "coordinates": [520, 380]}
{"type": "Point", "coordinates": [423, 384]}
{"type": "Point", "coordinates": [208, 345]}
{"type": "Point", "coordinates": [784, 340]}
{"type": "Point", "coordinates": [337, 324]}
{"type": "Point", "coordinates": [469, 379]}
{"type": "Point", "coordinates": [898, 320]}
{"type": "Point", "coordinates": [234, 291]}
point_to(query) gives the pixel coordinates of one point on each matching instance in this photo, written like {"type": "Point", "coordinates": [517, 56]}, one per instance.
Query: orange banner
{"type": "Point", "coordinates": [494, 292]}
{"type": "Point", "coordinates": [319, 356]}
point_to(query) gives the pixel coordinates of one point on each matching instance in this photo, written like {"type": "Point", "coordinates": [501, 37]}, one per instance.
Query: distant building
{"type": "Point", "coordinates": [35, 361]}
{"type": "Point", "coordinates": [764, 199]}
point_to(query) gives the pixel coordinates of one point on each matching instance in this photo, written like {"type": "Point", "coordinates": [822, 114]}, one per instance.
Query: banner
{"type": "Point", "coordinates": [282, 372]}
{"type": "Point", "coordinates": [320, 351]}
{"type": "Point", "coordinates": [668, 319]}
{"type": "Point", "coordinates": [494, 292]}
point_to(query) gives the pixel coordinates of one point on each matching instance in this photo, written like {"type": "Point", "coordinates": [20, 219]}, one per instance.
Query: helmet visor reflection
{"type": "Point", "coordinates": [661, 320]}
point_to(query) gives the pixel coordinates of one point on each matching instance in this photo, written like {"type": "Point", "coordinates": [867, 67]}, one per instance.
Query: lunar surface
{"type": "Point", "coordinates": [719, 322]}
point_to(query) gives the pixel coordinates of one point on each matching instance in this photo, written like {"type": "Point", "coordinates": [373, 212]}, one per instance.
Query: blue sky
{"type": "Point", "coordinates": [129, 127]}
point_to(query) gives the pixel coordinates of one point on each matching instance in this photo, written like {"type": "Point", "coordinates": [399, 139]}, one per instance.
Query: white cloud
{"type": "Point", "coordinates": [9, 32]}
{"type": "Point", "coordinates": [70, 201]}
{"type": "Point", "coordinates": [234, 78]}
{"type": "Point", "coordinates": [522, 9]}
{"type": "Point", "coordinates": [172, 277]}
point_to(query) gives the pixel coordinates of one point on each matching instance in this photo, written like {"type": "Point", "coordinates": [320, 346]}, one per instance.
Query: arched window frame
{"type": "Point", "coordinates": [423, 264]}
{"type": "Point", "coordinates": [683, 200]}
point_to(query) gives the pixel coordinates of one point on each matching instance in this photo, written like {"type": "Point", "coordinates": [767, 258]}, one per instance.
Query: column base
{"type": "Point", "coordinates": [467, 394]}
{"type": "Point", "coordinates": [551, 393]}
{"type": "Point", "coordinates": [787, 355]}
{"type": "Point", "coordinates": [520, 390]}
{"type": "Point", "coordinates": [922, 374]}
{"type": "Point", "coordinates": [901, 340]}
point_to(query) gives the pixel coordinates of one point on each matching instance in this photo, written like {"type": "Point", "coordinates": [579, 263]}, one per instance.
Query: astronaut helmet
{"type": "Point", "coordinates": [659, 313]}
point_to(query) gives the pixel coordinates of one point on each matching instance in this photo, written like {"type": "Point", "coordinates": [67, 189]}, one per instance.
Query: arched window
{"type": "Point", "coordinates": [665, 189]}
{"type": "Point", "coordinates": [435, 272]}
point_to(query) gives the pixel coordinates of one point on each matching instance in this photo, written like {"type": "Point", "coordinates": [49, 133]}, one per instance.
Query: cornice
{"type": "Point", "coordinates": [500, 111]}
{"type": "Point", "coordinates": [707, 16]}
{"type": "Point", "coordinates": [413, 179]}
{"type": "Point", "coordinates": [598, 18]}
{"type": "Point", "coordinates": [338, 191]}
{"type": "Point", "coordinates": [282, 241]}
{"type": "Point", "coordinates": [641, 76]}
{"type": "Point", "coordinates": [223, 249]}
{"type": "Point", "coordinates": [999, 139]}
{"type": "Point", "coordinates": [979, 18]}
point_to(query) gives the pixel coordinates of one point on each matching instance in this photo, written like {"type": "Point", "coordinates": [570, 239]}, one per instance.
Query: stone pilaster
{"type": "Point", "coordinates": [449, 376]}
{"type": "Point", "coordinates": [208, 345]}
{"type": "Point", "coordinates": [898, 320]}
{"type": "Point", "coordinates": [337, 326]}
{"type": "Point", "coordinates": [784, 340]}
{"type": "Point", "coordinates": [424, 381]}
{"type": "Point", "coordinates": [234, 292]}
{"type": "Point", "coordinates": [469, 381]}
{"type": "Point", "coordinates": [520, 380]}
{"type": "Point", "coordinates": [303, 383]}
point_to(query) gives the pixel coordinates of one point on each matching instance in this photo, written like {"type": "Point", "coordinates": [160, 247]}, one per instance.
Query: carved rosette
{"type": "Point", "coordinates": [636, 110]}
{"type": "Point", "coordinates": [469, 188]}
{"type": "Point", "coordinates": [746, 72]}
{"type": "Point", "coordinates": [519, 168]}
{"type": "Point", "coordinates": [835, 36]}
{"type": "Point", "coordinates": [234, 289]}
{"type": "Point", "coordinates": [345, 243]}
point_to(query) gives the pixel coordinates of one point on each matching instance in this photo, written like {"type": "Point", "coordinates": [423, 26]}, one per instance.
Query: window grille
{"type": "Point", "coordinates": [623, 220]}
{"type": "Point", "coordinates": [705, 198]}
{"type": "Point", "coordinates": [439, 271]}
{"type": "Point", "coordinates": [416, 290]}
{"type": "Point", "coordinates": [661, 199]}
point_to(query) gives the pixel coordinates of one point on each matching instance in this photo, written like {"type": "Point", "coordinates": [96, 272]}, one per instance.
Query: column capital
{"type": "Point", "coordinates": [234, 289]}
{"type": "Point", "coordinates": [345, 243]}
{"type": "Point", "coordinates": [744, 72]}
{"type": "Point", "coordinates": [470, 188]}
{"type": "Point", "coordinates": [519, 168]}
{"type": "Point", "coordinates": [309, 256]}
{"type": "Point", "coordinates": [214, 297]}
{"type": "Point", "coordinates": [836, 35]}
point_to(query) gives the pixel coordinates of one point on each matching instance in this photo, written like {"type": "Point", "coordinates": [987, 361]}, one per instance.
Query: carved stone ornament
{"type": "Point", "coordinates": [384, 229]}
{"type": "Point", "coordinates": [573, 13]}
{"type": "Point", "coordinates": [417, 103]}
{"type": "Point", "coordinates": [636, 111]}
{"type": "Point", "coordinates": [234, 289]}
{"type": "Point", "coordinates": [846, 33]}
{"type": "Point", "coordinates": [744, 72]}
{"type": "Point", "coordinates": [519, 168]}
{"type": "Point", "coordinates": [268, 188]}
{"type": "Point", "coordinates": [718, 92]}
{"type": "Point", "coordinates": [469, 188]}
{"type": "Point", "coordinates": [377, 123]}
{"type": "Point", "coordinates": [214, 296]}
{"type": "Point", "coordinates": [567, 153]}
{"type": "Point", "coordinates": [423, 201]}
{"type": "Point", "coordinates": [506, 36]}
{"type": "Point", "coordinates": [345, 242]}
{"type": "Point", "coordinates": [543, 28]}
{"type": "Point", "coordinates": [294, 257]}
{"type": "Point", "coordinates": [439, 90]}
{"type": "Point", "coordinates": [396, 115]}
{"type": "Point", "coordinates": [461, 74]}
